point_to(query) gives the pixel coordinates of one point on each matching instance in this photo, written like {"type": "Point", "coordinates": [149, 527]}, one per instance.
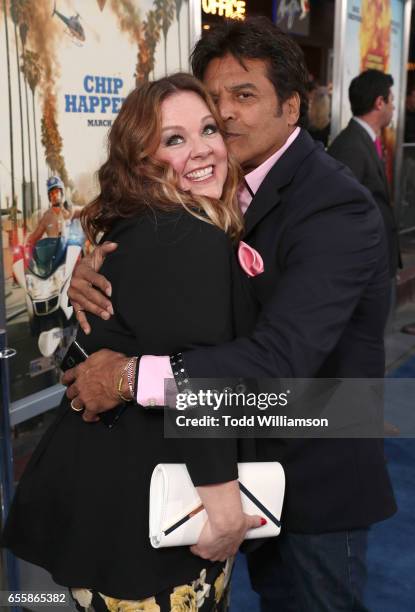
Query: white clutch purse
{"type": "Point", "coordinates": [177, 515]}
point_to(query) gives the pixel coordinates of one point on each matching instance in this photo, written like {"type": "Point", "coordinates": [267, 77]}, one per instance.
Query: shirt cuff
{"type": "Point", "coordinates": [152, 372]}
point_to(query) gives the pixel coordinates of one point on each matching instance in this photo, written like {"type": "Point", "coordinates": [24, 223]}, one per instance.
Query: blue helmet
{"type": "Point", "coordinates": [54, 182]}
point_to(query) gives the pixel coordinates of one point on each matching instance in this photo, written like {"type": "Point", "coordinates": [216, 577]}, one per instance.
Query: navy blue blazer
{"type": "Point", "coordinates": [324, 299]}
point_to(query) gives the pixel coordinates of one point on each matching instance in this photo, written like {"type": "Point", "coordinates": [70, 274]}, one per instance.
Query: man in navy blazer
{"type": "Point", "coordinates": [324, 302]}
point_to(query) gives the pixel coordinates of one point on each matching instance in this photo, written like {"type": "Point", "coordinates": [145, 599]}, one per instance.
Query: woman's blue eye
{"type": "Point", "coordinates": [210, 129]}
{"type": "Point", "coordinates": [174, 140]}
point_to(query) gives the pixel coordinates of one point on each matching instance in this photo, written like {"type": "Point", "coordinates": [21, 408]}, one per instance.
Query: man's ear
{"type": "Point", "coordinates": [379, 103]}
{"type": "Point", "coordinates": [292, 108]}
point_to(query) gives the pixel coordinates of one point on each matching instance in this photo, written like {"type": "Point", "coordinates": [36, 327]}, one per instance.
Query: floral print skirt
{"type": "Point", "coordinates": [208, 593]}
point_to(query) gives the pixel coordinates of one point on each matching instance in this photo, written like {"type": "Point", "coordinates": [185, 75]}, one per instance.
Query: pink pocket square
{"type": "Point", "coordinates": [250, 260]}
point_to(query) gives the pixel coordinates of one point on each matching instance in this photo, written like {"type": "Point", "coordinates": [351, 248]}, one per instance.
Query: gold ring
{"type": "Point", "coordinates": [79, 310]}
{"type": "Point", "coordinates": [75, 408]}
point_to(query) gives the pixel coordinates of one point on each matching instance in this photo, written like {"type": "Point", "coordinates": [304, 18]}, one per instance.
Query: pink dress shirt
{"type": "Point", "coordinates": [153, 370]}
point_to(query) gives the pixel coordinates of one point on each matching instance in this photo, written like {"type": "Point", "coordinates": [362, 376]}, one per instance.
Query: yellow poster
{"type": "Point", "coordinates": [375, 35]}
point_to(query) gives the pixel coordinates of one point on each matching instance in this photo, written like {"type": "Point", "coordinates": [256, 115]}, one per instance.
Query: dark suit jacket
{"type": "Point", "coordinates": [354, 148]}
{"type": "Point", "coordinates": [325, 298]}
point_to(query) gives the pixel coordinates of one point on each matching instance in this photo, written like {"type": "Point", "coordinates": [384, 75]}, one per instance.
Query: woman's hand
{"type": "Point", "coordinates": [217, 543]}
{"type": "Point", "coordinates": [227, 525]}
{"type": "Point", "coordinates": [88, 289]}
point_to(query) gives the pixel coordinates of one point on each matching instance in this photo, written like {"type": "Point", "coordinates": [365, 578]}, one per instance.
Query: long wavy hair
{"type": "Point", "coordinates": [132, 180]}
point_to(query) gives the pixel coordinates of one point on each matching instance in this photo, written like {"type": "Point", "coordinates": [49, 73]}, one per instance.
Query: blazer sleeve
{"type": "Point", "coordinates": [172, 280]}
{"type": "Point", "coordinates": [328, 260]}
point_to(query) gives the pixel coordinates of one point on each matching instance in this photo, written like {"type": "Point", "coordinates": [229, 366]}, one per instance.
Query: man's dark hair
{"type": "Point", "coordinates": [365, 88]}
{"type": "Point", "coordinates": [258, 38]}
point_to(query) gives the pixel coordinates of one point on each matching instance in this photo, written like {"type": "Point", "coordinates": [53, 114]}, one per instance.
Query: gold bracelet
{"type": "Point", "coordinates": [120, 383]}
{"type": "Point", "coordinates": [131, 375]}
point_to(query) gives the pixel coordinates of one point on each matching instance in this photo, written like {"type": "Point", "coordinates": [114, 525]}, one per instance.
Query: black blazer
{"type": "Point", "coordinates": [354, 148]}
{"type": "Point", "coordinates": [325, 299]}
{"type": "Point", "coordinates": [81, 508]}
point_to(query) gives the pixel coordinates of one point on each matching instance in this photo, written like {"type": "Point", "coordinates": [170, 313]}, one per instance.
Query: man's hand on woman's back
{"type": "Point", "coordinates": [88, 289]}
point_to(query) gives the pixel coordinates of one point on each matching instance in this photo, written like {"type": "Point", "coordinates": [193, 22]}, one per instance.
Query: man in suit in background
{"type": "Point", "coordinates": [324, 301]}
{"type": "Point", "coordinates": [359, 147]}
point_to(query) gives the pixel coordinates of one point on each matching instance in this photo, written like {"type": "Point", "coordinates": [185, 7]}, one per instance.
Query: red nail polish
{"type": "Point", "coordinates": [263, 521]}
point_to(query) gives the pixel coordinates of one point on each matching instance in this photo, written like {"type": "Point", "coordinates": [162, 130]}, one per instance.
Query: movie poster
{"type": "Point", "coordinates": [293, 16]}
{"type": "Point", "coordinates": [65, 68]}
{"type": "Point", "coordinates": [374, 39]}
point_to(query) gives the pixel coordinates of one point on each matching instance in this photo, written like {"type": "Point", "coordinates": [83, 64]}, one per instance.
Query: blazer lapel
{"type": "Point", "coordinates": [268, 195]}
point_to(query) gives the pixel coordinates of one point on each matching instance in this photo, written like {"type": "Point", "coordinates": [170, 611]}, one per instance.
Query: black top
{"type": "Point", "coordinates": [321, 135]}
{"type": "Point", "coordinates": [324, 299]}
{"type": "Point", "coordinates": [409, 126]}
{"type": "Point", "coordinates": [354, 148]}
{"type": "Point", "coordinates": [81, 509]}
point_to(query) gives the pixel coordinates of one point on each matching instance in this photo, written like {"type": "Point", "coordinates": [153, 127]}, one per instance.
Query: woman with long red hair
{"type": "Point", "coordinates": [168, 198]}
